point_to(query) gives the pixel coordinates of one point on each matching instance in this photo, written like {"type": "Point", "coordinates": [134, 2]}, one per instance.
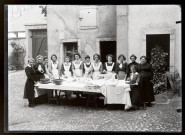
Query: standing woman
{"type": "Point", "coordinates": [54, 70]}
{"type": "Point", "coordinates": [87, 67]}
{"type": "Point", "coordinates": [66, 68]}
{"type": "Point", "coordinates": [109, 66]}
{"type": "Point", "coordinates": [97, 66]}
{"type": "Point", "coordinates": [146, 86]}
{"type": "Point", "coordinates": [133, 59]}
{"type": "Point", "coordinates": [77, 67]}
{"type": "Point", "coordinates": [39, 67]}
{"type": "Point", "coordinates": [121, 67]}
{"type": "Point", "coordinates": [45, 61]}
{"type": "Point", "coordinates": [31, 79]}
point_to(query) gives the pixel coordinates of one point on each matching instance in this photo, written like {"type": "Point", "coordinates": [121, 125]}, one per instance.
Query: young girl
{"type": "Point", "coordinates": [97, 66]}
{"type": "Point", "coordinates": [77, 69]}
{"type": "Point", "coordinates": [66, 71]}
{"type": "Point", "coordinates": [109, 66]}
{"type": "Point", "coordinates": [121, 67]}
{"type": "Point", "coordinates": [31, 79]}
{"type": "Point", "coordinates": [134, 79]}
{"type": "Point", "coordinates": [87, 67]}
{"type": "Point", "coordinates": [54, 70]}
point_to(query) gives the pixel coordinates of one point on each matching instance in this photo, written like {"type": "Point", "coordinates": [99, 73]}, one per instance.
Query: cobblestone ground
{"type": "Point", "coordinates": [74, 116]}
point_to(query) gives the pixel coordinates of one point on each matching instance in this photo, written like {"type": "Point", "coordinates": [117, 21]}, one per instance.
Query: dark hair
{"type": "Point", "coordinates": [133, 56]}
{"type": "Point", "coordinates": [45, 58]}
{"type": "Point", "coordinates": [53, 55]}
{"type": "Point", "coordinates": [77, 54]}
{"type": "Point", "coordinates": [96, 55]}
{"type": "Point", "coordinates": [121, 55]}
{"type": "Point", "coordinates": [67, 57]}
{"type": "Point", "coordinates": [109, 55]}
{"type": "Point", "coordinates": [87, 56]}
{"type": "Point", "coordinates": [143, 57]}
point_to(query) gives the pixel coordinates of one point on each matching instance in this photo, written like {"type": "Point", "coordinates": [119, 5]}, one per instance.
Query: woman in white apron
{"type": "Point", "coordinates": [47, 74]}
{"type": "Point", "coordinates": [121, 67]}
{"type": "Point", "coordinates": [110, 67]}
{"type": "Point", "coordinates": [77, 69]}
{"type": "Point", "coordinates": [87, 67]}
{"type": "Point", "coordinates": [97, 66]}
{"type": "Point", "coordinates": [54, 70]}
{"type": "Point", "coordinates": [66, 71]}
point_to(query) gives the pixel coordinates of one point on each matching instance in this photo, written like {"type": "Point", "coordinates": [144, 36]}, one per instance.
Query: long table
{"type": "Point", "coordinates": [114, 94]}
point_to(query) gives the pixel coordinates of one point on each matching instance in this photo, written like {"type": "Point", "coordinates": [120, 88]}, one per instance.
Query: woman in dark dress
{"type": "Point", "coordinates": [31, 79]}
{"type": "Point", "coordinates": [134, 80]}
{"type": "Point", "coordinates": [121, 67]}
{"type": "Point", "coordinates": [40, 67]}
{"type": "Point", "coordinates": [133, 59]}
{"type": "Point", "coordinates": [146, 85]}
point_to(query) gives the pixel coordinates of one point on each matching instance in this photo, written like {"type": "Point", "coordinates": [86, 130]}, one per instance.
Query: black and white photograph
{"type": "Point", "coordinates": [94, 68]}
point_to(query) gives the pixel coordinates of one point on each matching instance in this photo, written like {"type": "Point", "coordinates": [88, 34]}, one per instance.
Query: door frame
{"type": "Point", "coordinates": [28, 32]}
{"type": "Point", "coordinates": [61, 54]}
{"type": "Point", "coordinates": [169, 31]}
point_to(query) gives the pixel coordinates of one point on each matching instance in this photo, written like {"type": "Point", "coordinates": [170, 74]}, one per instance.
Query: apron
{"type": "Point", "coordinates": [109, 69]}
{"type": "Point", "coordinates": [66, 70]}
{"type": "Point", "coordinates": [121, 74]}
{"type": "Point", "coordinates": [55, 70]}
{"type": "Point", "coordinates": [96, 72]}
{"type": "Point", "coordinates": [77, 69]}
{"type": "Point", "coordinates": [87, 69]}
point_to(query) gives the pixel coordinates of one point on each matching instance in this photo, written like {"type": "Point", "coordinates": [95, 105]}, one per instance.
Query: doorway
{"type": "Point", "coordinates": [70, 48]}
{"type": "Point", "coordinates": [107, 47]}
{"type": "Point", "coordinates": [39, 43]}
{"type": "Point", "coordinates": [163, 40]}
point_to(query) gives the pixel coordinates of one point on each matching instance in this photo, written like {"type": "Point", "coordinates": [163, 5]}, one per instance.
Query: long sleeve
{"type": "Point", "coordinates": [104, 66]}
{"type": "Point", "coordinates": [114, 67]}
{"type": "Point", "coordinates": [62, 69]}
{"type": "Point", "coordinates": [151, 71]}
{"type": "Point", "coordinates": [138, 79]}
{"type": "Point", "coordinates": [117, 68]}
{"type": "Point", "coordinates": [29, 75]}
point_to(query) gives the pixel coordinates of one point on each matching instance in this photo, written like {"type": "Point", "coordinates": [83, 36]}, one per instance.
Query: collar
{"type": "Point", "coordinates": [88, 63]}
{"type": "Point", "coordinates": [29, 65]}
{"type": "Point", "coordinates": [134, 73]}
{"type": "Point", "coordinates": [109, 62]}
{"type": "Point", "coordinates": [56, 62]}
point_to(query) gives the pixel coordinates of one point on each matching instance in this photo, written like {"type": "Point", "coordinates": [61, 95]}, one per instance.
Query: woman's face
{"type": "Point", "coordinates": [40, 60]}
{"type": "Point", "coordinates": [143, 60]}
{"type": "Point", "coordinates": [54, 58]}
{"type": "Point", "coordinates": [87, 60]}
{"type": "Point", "coordinates": [133, 70]}
{"type": "Point", "coordinates": [109, 59]}
{"type": "Point", "coordinates": [46, 61]}
{"type": "Point", "coordinates": [31, 63]}
{"type": "Point", "coordinates": [77, 57]}
{"type": "Point", "coordinates": [121, 59]}
{"type": "Point", "coordinates": [133, 59]}
{"type": "Point", "coordinates": [66, 59]}
{"type": "Point", "coordinates": [96, 58]}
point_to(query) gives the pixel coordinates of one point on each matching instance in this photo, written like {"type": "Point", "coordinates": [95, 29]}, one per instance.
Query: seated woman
{"type": "Point", "coordinates": [109, 66]}
{"type": "Point", "coordinates": [96, 66]}
{"type": "Point", "coordinates": [134, 79]}
{"type": "Point", "coordinates": [77, 67]}
{"type": "Point", "coordinates": [66, 72]}
{"type": "Point", "coordinates": [31, 80]}
{"type": "Point", "coordinates": [121, 67]}
{"type": "Point", "coordinates": [87, 67]}
{"type": "Point", "coordinates": [39, 67]}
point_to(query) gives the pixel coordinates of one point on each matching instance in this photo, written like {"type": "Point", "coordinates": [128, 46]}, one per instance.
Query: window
{"type": "Point", "coordinates": [88, 18]}
{"type": "Point", "coordinates": [16, 35]}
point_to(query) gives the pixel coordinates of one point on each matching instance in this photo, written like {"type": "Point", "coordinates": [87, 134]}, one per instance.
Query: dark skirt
{"type": "Point", "coordinates": [40, 76]}
{"type": "Point", "coordinates": [135, 96]}
{"type": "Point", "coordinates": [146, 87]}
{"type": "Point", "coordinates": [29, 89]}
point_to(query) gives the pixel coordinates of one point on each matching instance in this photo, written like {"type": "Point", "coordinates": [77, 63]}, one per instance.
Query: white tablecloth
{"type": "Point", "coordinates": [117, 93]}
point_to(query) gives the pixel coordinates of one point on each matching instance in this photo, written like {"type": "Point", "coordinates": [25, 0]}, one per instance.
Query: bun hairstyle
{"type": "Point", "coordinates": [109, 55]}
{"type": "Point", "coordinates": [53, 55]}
{"type": "Point", "coordinates": [87, 56]}
{"type": "Point", "coordinates": [142, 57]}
{"type": "Point", "coordinates": [77, 54]}
{"type": "Point", "coordinates": [121, 55]}
{"type": "Point", "coordinates": [133, 56]}
{"type": "Point", "coordinates": [96, 55]}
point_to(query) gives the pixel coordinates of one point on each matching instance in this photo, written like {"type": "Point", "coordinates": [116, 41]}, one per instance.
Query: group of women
{"type": "Point", "coordinates": [138, 75]}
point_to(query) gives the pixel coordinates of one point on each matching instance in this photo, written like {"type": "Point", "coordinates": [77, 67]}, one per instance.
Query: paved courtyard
{"type": "Point", "coordinates": [74, 116]}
